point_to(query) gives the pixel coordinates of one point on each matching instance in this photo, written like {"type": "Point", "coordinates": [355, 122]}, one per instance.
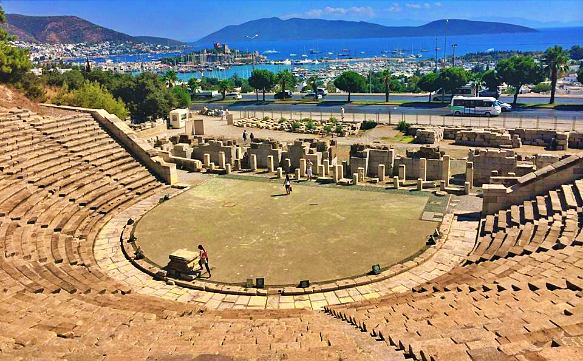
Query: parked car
{"type": "Point", "coordinates": [286, 94]}
{"type": "Point", "coordinates": [505, 107]}
{"type": "Point", "coordinates": [312, 95]}
{"type": "Point", "coordinates": [321, 91]}
{"type": "Point", "coordinates": [490, 93]}
{"type": "Point", "coordinates": [233, 95]}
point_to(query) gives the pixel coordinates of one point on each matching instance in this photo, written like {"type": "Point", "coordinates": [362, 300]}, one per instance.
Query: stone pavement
{"type": "Point", "coordinates": [458, 239]}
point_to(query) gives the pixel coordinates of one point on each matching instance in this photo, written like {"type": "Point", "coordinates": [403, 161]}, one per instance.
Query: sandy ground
{"type": "Point", "coordinates": [252, 229]}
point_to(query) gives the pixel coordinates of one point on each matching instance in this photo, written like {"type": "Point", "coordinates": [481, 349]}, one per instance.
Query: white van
{"type": "Point", "coordinates": [487, 106]}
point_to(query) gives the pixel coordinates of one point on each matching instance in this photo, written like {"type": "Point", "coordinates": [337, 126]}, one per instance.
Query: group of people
{"type": "Point", "coordinates": [251, 136]}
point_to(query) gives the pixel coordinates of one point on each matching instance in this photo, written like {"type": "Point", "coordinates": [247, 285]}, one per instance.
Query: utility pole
{"type": "Point", "coordinates": [436, 57]}
{"type": "Point", "coordinates": [445, 44]}
{"type": "Point", "coordinates": [453, 46]}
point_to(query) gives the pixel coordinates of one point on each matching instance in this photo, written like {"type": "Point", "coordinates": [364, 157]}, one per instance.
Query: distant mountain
{"type": "Point", "coordinates": [70, 29]}
{"type": "Point", "coordinates": [310, 29]}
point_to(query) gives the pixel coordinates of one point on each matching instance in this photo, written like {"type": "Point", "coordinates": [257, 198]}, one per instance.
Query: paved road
{"type": "Point", "coordinates": [423, 98]}
{"type": "Point", "coordinates": [429, 109]}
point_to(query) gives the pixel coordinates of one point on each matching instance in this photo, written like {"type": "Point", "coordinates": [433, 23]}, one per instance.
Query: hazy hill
{"type": "Point", "coordinates": [308, 29]}
{"type": "Point", "coordinates": [70, 29]}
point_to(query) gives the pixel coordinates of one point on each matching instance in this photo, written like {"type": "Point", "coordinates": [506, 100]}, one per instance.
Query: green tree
{"type": "Point", "coordinates": [580, 75]}
{"type": "Point", "coordinates": [14, 63]}
{"type": "Point", "coordinates": [285, 78]}
{"type": "Point", "coordinates": [386, 74]}
{"type": "Point", "coordinates": [225, 86]}
{"type": "Point", "coordinates": [517, 71]}
{"type": "Point", "coordinates": [452, 78]}
{"type": "Point", "coordinates": [490, 79]}
{"type": "Point", "coordinates": [261, 80]}
{"type": "Point", "coordinates": [428, 83]}
{"type": "Point", "coordinates": [350, 82]}
{"type": "Point", "coordinates": [313, 83]}
{"type": "Point", "coordinates": [556, 62]}
{"type": "Point", "coordinates": [93, 95]}
{"type": "Point", "coordinates": [193, 84]}
{"type": "Point", "coordinates": [181, 97]}
{"type": "Point", "coordinates": [170, 77]}
{"type": "Point", "coordinates": [576, 52]}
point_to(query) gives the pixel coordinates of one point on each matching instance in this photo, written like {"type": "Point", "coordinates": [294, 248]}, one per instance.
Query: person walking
{"type": "Point", "coordinates": [245, 136]}
{"type": "Point", "coordinates": [203, 259]}
{"type": "Point", "coordinates": [251, 137]}
{"type": "Point", "coordinates": [309, 170]}
{"type": "Point", "coordinates": [287, 184]}
{"type": "Point", "coordinates": [342, 113]}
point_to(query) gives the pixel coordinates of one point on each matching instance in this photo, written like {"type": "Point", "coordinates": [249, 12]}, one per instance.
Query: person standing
{"type": "Point", "coordinates": [309, 170]}
{"type": "Point", "coordinates": [251, 137]}
{"type": "Point", "coordinates": [203, 259]}
{"type": "Point", "coordinates": [342, 113]}
{"type": "Point", "coordinates": [245, 136]}
{"type": "Point", "coordinates": [287, 184]}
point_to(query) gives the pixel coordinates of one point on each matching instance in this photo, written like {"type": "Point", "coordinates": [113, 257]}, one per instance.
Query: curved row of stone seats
{"type": "Point", "coordinates": [548, 221]}
{"type": "Point", "coordinates": [495, 307]}
{"type": "Point", "coordinates": [555, 269]}
{"type": "Point", "coordinates": [568, 196]}
{"type": "Point", "coordinates": [137, 327]}
{"type": "Point", "coordinates": [488, 311]}
{"type": "Point", "coordinates": [53, 203]}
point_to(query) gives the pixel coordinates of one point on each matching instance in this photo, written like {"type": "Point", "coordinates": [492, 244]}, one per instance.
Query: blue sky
{"type": "Point", "coordinates": [191, 20]}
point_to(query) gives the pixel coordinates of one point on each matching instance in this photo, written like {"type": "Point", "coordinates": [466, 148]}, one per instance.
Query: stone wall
{"type": "Point", "coordinates": [487, 138]}
{"type": "Point", "coordinates": [213, 148]}
{"type": "Point", "coordinates": [429, 136]}
{"type": "Point", "coordinates": [264, 148]}
{"type": "Point", "coordinates": [498, 196]}
{"type": "Point", "coordinates": [496, 162]}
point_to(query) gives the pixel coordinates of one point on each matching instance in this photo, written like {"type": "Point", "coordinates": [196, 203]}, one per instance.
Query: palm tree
{"type": "Point", "coordinates": [170, 77]}
{"type": "Point", "coordinates": [313, 83]}
{"type": "Point", "coordinates": [386, 74]}
{"type": "Point", "coordinates": [225, 86]}
{"type": "Point", "coordinates": [556, 61]}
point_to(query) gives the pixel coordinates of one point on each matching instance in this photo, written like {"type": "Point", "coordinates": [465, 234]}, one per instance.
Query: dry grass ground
{"type": "Point", "coordinates": [252, 229]}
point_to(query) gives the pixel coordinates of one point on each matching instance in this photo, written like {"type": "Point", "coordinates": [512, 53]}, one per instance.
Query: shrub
{"type": "Point", "coordinates": [265, 118]}
{"type": "Point", "coordinates": [310, 125]}
{"type": "Point", "coordinates": [328, 128]}
{"type": "Point", "coordinates": [296, 125]}
{"type": "Point", "coordinates": [542, 88]}
{"type": "Point", "coordinates": [333, 120]}
{"type": "Point", "coordinates": [93, 95]}
{"type": "Point", "coordinates": [306, 120]}
{"type": "Point", "coordinates": [403, 126]}
{"type": "Point", "coordinates": [282, 120]}
{"type": "Point", "coordinates": [339, 128]}
{"type": "Point", "coordinates": [368, 124]}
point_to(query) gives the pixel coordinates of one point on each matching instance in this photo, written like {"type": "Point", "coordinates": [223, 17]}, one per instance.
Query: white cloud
{"type": "Point", "coordinates": [394, 8]}
{"type": "Point", "coordinates": [366, 11]}
{"type": "Point", "coordinates": [424, 5]}
{"type": "Point", "coordinates": [437, 4]}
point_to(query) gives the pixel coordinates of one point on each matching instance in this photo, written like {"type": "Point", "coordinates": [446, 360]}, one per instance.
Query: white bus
{"type": "Point", "coordinates": [487, 106]}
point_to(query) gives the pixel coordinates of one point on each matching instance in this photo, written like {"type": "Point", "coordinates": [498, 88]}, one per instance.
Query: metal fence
{"type": "Point", "coordinates": [393, 118]}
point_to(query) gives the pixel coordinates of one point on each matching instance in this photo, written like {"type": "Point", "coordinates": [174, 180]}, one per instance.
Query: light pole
{"type": "Point", "coordinates": [252, 37]}
{"type": "Point", "coordinates": [453, 46]}
{"type": "Point", "coordinates": [445, 43]}
{"type": "Point", "coordinates": [436, 54]}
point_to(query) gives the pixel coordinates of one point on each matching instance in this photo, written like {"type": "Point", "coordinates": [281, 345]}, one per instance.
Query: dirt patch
{"type": "Point", "coordinates": [13, 98]}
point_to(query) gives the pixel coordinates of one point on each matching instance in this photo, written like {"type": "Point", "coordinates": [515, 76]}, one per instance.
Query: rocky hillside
{"type": "Point", "coordinates": [70, 29]}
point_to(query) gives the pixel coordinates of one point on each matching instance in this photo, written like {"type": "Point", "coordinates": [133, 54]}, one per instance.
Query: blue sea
{"type": "Point", "coordinates": [359, 48]}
